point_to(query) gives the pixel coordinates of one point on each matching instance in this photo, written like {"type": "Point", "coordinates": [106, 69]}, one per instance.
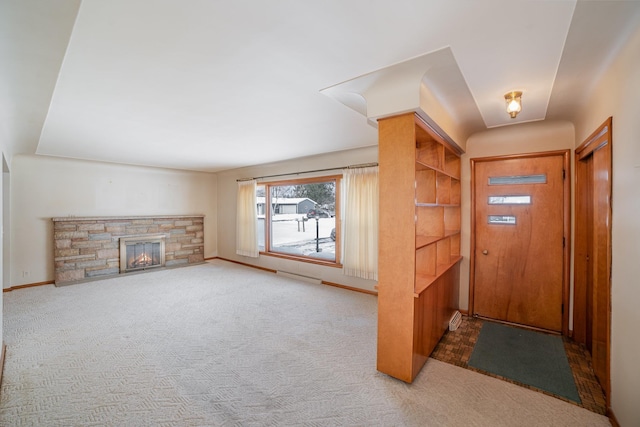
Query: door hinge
{"type": "Point", "coordinates": [564, 174]}
{"type": "Point", "coordinates": [564, 242]}
{"type": "Point", "coordinates": [562, 308]}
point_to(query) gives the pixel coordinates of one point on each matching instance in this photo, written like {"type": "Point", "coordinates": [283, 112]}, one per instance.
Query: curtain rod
{"type": "Point", "coordinates": [363, 165]}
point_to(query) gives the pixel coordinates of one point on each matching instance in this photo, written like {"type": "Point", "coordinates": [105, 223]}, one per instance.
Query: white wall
{"type": "Point", "coordinates": [227, 190]}
{"type": "Point", "coordinates": [516, 139]}
{"type": "Point", "coordinates": [6, 224]}
{"type": "Point", "coordinates": [618, 95]}
{"type": "Point", "coordinates": [45, 187]}
{"type": "Point", "coordinates": [2, 249]}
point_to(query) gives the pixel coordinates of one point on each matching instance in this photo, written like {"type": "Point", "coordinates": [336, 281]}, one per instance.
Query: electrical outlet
{"type": "Point", "coordinates": [25, 274]}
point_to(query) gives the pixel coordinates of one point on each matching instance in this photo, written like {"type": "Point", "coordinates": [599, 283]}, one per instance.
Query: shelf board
{"type": "Point", "coordinates": [423, 281]}
{"type": "Point", "coordinates": [422, 241]}
{"type": "Point", "coordinates": [448, 233]}
{"type": "Point", "coordinates": [423, 166]}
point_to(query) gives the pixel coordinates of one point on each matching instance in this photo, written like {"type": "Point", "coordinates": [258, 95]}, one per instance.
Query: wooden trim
{"type": "Point", "coordinates": [350, 288]}
{"type": "Point", "coordinates": [522, 156]}
{"type": "Point", "coordinates": [2, 353]}
{"type": "Point", "coordinates": [566, 253]}
{"type": "Point", "coordinates": [472, 244]}
{"type": "Point", "coordinates": [338, 226]}
{"type": "Point", "coordinates": [597, 139]}
{"type": "Point", "coordinates": [303, 259]}
{"type": "Point", "coordinates": [28, 285]}
{"type": "Point", "coordinates": [566, 262]}
{"type": "Point", "coordinates": [337, 215]}
{"type": "Point", "coordinates": [612, 417]}
{"type": "Point", "coordinates": [247, 265]}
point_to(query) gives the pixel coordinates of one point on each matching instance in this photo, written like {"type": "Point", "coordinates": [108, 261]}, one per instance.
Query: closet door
{"type": "Point", "coordinates": [592, 257]}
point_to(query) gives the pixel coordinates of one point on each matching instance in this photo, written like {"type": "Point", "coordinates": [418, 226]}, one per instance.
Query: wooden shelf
{"type": "Point", "coordinates": [423, 281]}
{"type": "Point", "coordinates": [443, 189]}
{"type": "Point", "coordinates": [429, 221]}
{"type": "Point", "coordinates": [423, 166]}
{"type": "Point", "coordinates": [452, 164]}
{"type": "Point", "coordinates": [422, 241]}
{"type": "Point", "coordinates": [426, 186]}
{"type": "Point", "coordinates": [419, 201]}
{"type": "Point", "coordinates": [449, 233]}
{"type": "Point", "coordinates": [455, 191]}
{"type": "Point", "coordinates": [451, 218]}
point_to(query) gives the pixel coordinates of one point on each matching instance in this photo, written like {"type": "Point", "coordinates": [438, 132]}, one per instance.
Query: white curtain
{"type": "Point", "coordinates": [360, 236]}
{"type": "Point", "coordinates": [247, 221]}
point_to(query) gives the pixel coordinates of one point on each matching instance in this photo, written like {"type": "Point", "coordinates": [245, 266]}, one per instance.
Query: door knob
{"type": "Point", "coordinates": [485, 252]}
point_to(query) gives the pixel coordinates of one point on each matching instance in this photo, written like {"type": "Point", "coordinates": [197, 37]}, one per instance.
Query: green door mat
{"type": "Point", "coordinates": [528, 357]}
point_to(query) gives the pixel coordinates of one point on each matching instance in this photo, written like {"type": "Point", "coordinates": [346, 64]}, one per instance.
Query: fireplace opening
{"type": "Point", "coordinates": [141, 253]}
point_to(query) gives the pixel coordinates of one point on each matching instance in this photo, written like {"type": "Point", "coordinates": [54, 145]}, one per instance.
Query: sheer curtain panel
{"type": "Point", "coordinates": [360, 257]}
{"type": "Point", "coordinates": [247, 221]}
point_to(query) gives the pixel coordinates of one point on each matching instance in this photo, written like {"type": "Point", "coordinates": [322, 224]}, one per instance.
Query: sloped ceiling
{"type": "Point", "coordinates": [213, 85]}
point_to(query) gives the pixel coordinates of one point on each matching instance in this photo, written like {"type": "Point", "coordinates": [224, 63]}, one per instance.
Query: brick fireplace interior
{"type": "Point", "coordinates": [87, 248]}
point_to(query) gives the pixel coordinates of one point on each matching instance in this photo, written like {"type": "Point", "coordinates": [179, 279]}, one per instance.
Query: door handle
{"type": "Point", "coordinates": [485, 252]}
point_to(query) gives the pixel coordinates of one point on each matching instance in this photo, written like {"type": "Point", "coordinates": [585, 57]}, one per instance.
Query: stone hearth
{"type": "Point", "coordinates": [88, 248]}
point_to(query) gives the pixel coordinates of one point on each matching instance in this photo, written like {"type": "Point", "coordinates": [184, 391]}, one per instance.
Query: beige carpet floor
{"type": "Point", "coordinates": [220, 344]}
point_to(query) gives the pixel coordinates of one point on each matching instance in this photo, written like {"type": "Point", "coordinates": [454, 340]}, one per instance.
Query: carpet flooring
{"type": "Point", "coordinates": [224, 345]}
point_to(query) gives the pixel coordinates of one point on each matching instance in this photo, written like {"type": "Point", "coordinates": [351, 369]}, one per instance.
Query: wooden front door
{"type": "Point", "coordinates": [519, 225]}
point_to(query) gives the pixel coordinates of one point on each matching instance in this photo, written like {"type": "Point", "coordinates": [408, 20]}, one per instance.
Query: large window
{"type": "Point", "coordinates": [298, 219]}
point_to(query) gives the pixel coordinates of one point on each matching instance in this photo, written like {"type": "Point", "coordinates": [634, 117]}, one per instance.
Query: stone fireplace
{"type": "Point", "coordinates": [88, 248]}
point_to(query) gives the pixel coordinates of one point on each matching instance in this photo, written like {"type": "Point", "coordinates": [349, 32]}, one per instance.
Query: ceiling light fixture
{"type": "Point", "coordinates": [514, 103]}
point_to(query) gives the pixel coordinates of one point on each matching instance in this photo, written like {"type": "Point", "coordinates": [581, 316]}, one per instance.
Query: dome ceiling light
{"type": "Point", "coordinates": [514, 103]}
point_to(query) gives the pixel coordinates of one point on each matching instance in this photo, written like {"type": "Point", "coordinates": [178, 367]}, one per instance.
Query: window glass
{"type": "Point", "coordinates": [509, 200]}
{"type": "Point", "coordinates": [298, 218]}
{"type": "Point", "coordinates": [502, 219]}
{"type": "Point", "coordinates": [519, 179]}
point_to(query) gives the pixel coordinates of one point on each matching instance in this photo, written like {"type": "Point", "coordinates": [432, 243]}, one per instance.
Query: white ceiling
{"type": "Point", "coordinates": [213, 85]}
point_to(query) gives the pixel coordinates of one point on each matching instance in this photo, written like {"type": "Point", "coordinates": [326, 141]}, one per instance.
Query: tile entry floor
{"type": "Point", "coordinates": [456, 347]}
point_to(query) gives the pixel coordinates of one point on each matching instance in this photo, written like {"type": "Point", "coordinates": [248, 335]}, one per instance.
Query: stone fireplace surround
{"type": "Point", "coordinates": [87, 248]}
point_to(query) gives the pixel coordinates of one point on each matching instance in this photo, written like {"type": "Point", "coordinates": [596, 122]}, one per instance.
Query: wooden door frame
{"type": "Point", "coordinates": [566, 252]}
{"type": "Point", "coordinates": [600, 139]}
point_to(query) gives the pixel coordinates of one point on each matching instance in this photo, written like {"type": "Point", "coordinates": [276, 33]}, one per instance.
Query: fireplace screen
{"type": "Point", "coordinates": [139, 253]}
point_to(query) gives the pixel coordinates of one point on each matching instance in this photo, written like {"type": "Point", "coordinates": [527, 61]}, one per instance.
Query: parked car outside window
{"type": "Point", "coordinates": [318, 213]}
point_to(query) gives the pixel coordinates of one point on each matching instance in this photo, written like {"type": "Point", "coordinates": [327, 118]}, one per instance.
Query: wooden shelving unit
{"type": "Point", "coordinates": [419, 242]}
